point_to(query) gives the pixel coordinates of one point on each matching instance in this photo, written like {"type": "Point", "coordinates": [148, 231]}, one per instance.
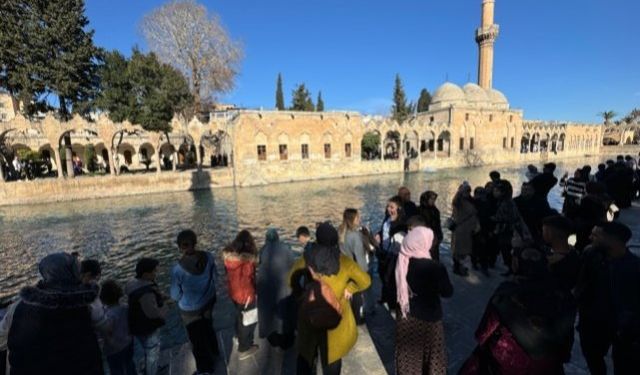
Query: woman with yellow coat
{"type": "Point", "coordinates": [345, 278]}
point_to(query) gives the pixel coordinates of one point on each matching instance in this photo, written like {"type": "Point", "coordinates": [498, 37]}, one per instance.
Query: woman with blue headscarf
{"type": "Point", "coordinates": [276, 319]}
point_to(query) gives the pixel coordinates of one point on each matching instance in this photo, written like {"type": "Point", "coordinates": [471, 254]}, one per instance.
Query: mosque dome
{"type": "Point", "coordinates": [498, 99]}
{"type": "Point", "coordinates": [476, 95]}
{"type": "Point", "coordinates": [446, 95]}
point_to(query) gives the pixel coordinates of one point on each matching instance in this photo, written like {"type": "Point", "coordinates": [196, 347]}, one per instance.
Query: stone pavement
{"type": "Point", "coordinates": [374, 352]}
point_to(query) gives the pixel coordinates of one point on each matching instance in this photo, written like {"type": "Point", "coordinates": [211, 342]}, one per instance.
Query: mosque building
{"type": "Point", "coordinates": [464, 126]}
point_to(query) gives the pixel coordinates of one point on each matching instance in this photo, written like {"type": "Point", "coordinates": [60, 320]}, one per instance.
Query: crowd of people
{"type": "Point", "coordinates": [560, 266]}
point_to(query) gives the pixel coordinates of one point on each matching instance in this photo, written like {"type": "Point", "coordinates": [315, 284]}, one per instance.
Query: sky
{"type": "Point", "coordinates": [557, 60]}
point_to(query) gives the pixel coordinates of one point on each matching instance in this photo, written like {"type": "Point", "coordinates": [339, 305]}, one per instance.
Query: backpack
{"type": "Point", "coordinates": [320, 308]}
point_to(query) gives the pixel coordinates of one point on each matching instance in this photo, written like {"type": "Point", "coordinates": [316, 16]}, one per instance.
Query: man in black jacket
{"type": "Point", "coordinates": [608, 293]}
{"type": "Point", "coordinates": [544, 182]}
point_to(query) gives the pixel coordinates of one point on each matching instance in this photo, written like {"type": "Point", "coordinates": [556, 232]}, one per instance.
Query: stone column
{"type": "Point", "coordinates": [112, 167]}
{"type": "Point", "coordinates": [174, 165]}
{"type": "Point", "coordinates": [198, 157]}
{"type": "Point", "coordinates": [419, 153]}
{"type": "Point", "coordinates": [158, 161]}
{"type": "Point", "coordinates": [68, 155]}
{"type": "Point", "coordinates": [56, 155]}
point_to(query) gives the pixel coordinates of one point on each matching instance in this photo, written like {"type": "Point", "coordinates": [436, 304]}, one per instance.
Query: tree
{"type": "Point", "coordinates": [279, 94]}
{"type": "Point", "coordinates": [424, 101]}
{"type": "Point", "coordinates": [633, 116]}
{"type": "Point", "coordinates": [142, 90]}
{"type": "Point", "coordinates": [47, 51]}
{"type": "Point", "coordinates": [185, 35]}
{"type": "Point", "coordinates": [116, 93]}
{"type": "Point", "coordinates": [320, 103]}
{"type": "Point", "coordinates": [370, 145]}
{"type": "Point", "coordinates": [301, 99]}
{"type": "Point", "coordinates": [607, 116]}
{"type": "Point", "coordinates": [400, 110]}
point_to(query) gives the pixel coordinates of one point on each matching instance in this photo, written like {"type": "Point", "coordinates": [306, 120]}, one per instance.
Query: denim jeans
{"type": "Point", "coordinates": [151, 347]}
{"type": "Point", "coordinates": [121, 363]}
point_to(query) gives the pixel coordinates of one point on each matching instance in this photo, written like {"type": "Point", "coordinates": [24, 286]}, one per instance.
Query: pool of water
{"type": "Point", "coordinates": [118, 231]}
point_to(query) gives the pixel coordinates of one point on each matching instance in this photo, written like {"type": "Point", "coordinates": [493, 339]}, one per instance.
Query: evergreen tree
{"type": "Point", "coordinates": [116, 92]}
{"type": "Point", "coordinates": [49, 53]}
{"type": "Point", "coordinates": [424, 101]}
{"type": "Point", "coordinates": [279, 94]}
{"type": "Point", "coordinates": [308, 105]}
{"type": "Point", "coordinates": [320, 103]}
{"type": "Point", "coordinates": [400, 110]}
{"type": "Point", "coordinates": [301, 99]}
{"type": "Point", "coordinates": [142, 90]}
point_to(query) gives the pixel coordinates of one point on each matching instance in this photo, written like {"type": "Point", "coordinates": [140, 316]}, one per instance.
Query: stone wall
{"type": "Point", "coordinates": [62, 190]}
{"type": "Point", "coordinates": [265, 147]}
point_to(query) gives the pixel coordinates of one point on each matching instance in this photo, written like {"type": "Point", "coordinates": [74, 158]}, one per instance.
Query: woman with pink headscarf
{"type": "Point", "coordinates": [421, 282]}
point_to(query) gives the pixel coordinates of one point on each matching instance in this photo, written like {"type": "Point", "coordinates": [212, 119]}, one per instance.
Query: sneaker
{"type": "Point", "coordinates": [248, 353]}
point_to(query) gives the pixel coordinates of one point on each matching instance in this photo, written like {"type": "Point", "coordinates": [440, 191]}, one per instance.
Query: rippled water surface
{"type": "Point", "coordinates": [118, 231]}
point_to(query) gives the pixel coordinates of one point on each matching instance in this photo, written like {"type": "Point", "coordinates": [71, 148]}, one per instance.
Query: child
{"type": "Point", "coordinates": [304, 238]}
{"type": "Point", "coordinates": [147, 311]}
{"type": "Point", "coordinates": [118, 343]}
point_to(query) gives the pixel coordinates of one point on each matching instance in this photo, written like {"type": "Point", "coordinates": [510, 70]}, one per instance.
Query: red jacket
{"type": "Point", "coordinates": [241, 277]}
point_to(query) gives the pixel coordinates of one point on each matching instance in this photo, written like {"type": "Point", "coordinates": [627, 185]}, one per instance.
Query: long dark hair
{"type": "Point", "coordinates": [244, 243]}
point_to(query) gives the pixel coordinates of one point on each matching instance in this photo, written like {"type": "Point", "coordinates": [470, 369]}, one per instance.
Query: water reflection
{"type": "Point", "coordinates": [119, 231]}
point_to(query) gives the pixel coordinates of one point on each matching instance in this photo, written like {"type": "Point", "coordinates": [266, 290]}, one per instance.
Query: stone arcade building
{"type": "Point", "coordinates": [464, 126]}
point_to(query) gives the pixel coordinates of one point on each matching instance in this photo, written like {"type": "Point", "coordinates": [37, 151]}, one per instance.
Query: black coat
{"type": "Point", "coordinates": [608, 293]}
{"type": "Point", "coordinates": [543, 183]}
{"type": "Point", "coordinates": [429, 281]}
{"type": "Point", "coordinates": [51, 333]}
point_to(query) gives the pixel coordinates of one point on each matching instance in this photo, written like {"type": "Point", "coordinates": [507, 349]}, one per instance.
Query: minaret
{"type": "Point", "coordinates": [486, 36]}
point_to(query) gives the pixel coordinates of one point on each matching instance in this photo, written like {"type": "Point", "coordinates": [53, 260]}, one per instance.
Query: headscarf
{"type": "Point", "coordinates": [425, 197]}
{"type": "Point", "coordinates": [327, 235]}
{"type": "Point", "coordinates": [324, 255]}
{"type": "Point", "coordinates": [416, 244]}
{"type": "Point", "coordinates": [59, 271]}
{"type": "Point", "coordinates": [464, 187]}
{"type": "Point", "coordinates": [272, 235]}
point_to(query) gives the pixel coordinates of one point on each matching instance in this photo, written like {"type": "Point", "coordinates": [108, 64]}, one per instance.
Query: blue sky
{"type": "Point", "coordinates": [563, 60]}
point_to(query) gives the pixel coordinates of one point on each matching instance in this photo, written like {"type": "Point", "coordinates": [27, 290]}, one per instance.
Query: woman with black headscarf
{"type": "Point", "coordinates": [342, 277]}
{"type": "Point", "coordinates": [49, 330]}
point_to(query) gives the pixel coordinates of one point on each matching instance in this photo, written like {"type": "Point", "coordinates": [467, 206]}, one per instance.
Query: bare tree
{"type": "Point", "coordinates": [185, 35]}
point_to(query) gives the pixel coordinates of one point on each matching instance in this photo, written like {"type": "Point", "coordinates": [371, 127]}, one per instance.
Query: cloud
{"type": "Point", "coordinates": [372, 106]}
